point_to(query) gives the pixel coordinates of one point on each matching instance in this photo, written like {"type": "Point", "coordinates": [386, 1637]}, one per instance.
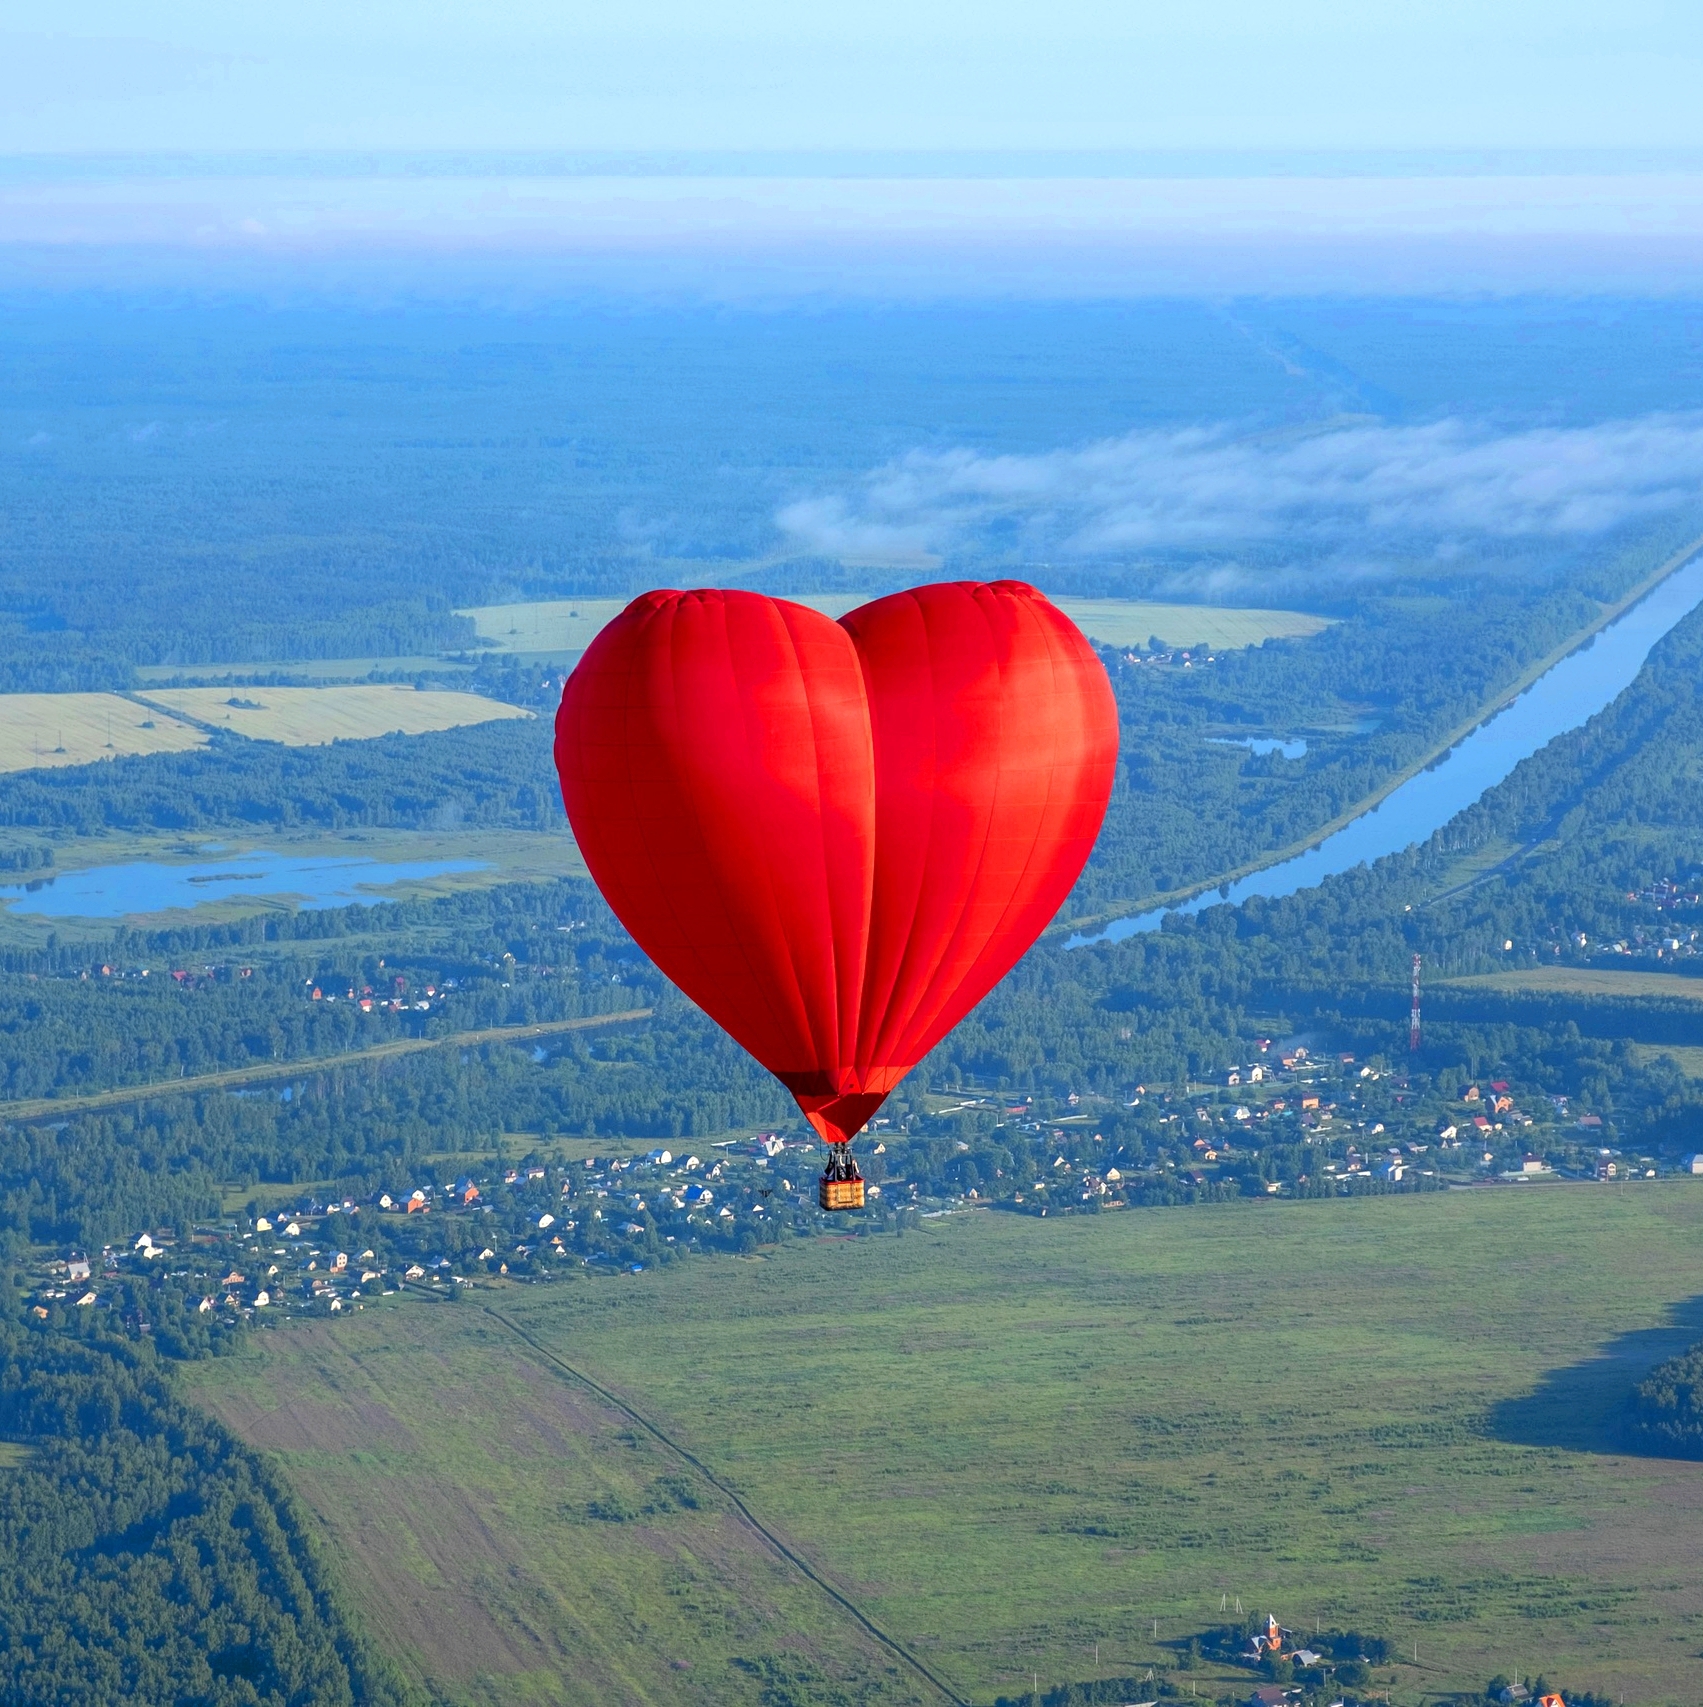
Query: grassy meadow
{"type": "Point", "coordinates": [569, 625]}
{"type": "Point", "coordinates": [1589, 981]}
{"type": "Point", "coordinates": [42, 729]}
{"type": "Point", "coordinates": [1013, 1442]}
{"type": "Point", "coordinates": [316, 716]}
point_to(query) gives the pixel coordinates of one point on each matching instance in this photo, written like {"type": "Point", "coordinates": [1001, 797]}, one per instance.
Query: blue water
{"type": "Point", "coordinates": [1260, 745]}
{"type": "Point", "coordinates": [1568, 695]}
{"type": "Point", "coordinates": [310, 881]}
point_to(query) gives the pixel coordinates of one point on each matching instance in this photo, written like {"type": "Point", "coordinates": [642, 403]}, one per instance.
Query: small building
{"type": "Point", "coordinates": [77, 1268]}
{"type": "Point", "coordinates": [1691, 1165]}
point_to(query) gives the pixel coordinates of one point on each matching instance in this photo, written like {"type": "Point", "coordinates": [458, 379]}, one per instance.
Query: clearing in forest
{"type": "Point", "coordinates": [40, 729]}
{"type": "Point", "coordinates": [1588, 981]}
{"type": "Point", "coordinates": [315, 717]}
{"type": "Point", "coordinates": [1015, 1444]}
{"type": "Point", "coordinates": [569, 625]}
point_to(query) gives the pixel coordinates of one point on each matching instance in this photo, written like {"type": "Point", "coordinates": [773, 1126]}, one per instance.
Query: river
{"type": "Point", "coordinates": [1568, 694]}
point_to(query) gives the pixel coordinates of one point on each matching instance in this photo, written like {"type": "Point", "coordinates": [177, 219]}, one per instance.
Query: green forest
{"type": "Point", "coordinates": [1257, 1052]}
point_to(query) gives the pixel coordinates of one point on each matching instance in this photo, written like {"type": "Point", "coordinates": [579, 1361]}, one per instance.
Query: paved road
{"type": "Point", "coordinates": [38, 1108]}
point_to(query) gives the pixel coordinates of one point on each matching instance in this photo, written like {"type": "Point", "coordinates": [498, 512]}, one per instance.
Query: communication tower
{"type": "Point", "coordinates": [1413, 1023]}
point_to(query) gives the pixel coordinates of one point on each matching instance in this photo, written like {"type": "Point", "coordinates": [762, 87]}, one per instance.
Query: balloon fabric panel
{"type": "Point", "coordinates": [718, 778]}
{"type": "Point", "coordinates": [995, 738]}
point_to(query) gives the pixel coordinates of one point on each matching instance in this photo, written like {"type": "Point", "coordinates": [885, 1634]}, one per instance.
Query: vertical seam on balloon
{"type": "Point", "coordinates": [757, 980]}
{"type": "Point", "coordinates": [932, 994]}
{"type": "Point", "coordinates": [683, 936]}
{"type": "Point", "coordinates": [800, 1007]}
{"type": "Point", "coordinates": [822, 848]}
{"type": "Point", "coordinates": [633, 662]}
{"type": "Point", "coordinates": [1029, 858]}
{"type": "Point", "coordinates": [896, 981]}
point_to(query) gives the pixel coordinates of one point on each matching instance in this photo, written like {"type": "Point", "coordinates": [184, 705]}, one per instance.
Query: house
{"type": "Point", "coordinates": [1470, 1094]}
{"type": "Point", "coordinates": [1271, 1695]}
{"type": "Point", "coordinates": [77, 1268]}
{"type": "Point", "coordinates": [1551, 1700]}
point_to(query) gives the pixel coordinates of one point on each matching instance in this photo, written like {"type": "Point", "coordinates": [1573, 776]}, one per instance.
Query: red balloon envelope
{"type": "Point", "coordinates": [836, 837]}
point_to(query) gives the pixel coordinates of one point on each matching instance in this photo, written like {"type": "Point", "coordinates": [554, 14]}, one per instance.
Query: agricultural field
{"type": "Point", "coordinates": [565, 625]}
{"type": "Point", "coordinates": [1589, 981]}
{"type": "Point", "coordinates": [304, 669]}
{"type": "Point", "coordinates": [1020, 1447]}
{"type": "Point", "coordinates": [1127, 622]}
{"type": "Point", "coordinates": [317, 716]}
{"type": "Point", "coordinates": [41, 729]}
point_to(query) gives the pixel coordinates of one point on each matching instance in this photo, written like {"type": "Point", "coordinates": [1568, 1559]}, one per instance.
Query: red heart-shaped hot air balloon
{"type": "Point", "coordinates": [837, 837]}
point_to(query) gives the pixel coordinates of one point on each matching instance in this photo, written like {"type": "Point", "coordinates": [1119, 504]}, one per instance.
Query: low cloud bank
{"type": "Point", "coordinates": [1211, 489]}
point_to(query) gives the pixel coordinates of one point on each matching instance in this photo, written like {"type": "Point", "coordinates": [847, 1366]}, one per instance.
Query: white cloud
{"type": "Point", "coordinates": [1209, 488]}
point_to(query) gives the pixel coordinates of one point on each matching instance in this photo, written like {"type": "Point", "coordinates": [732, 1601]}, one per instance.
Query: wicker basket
{"type": "Point", "coordinates": [839, 1193]}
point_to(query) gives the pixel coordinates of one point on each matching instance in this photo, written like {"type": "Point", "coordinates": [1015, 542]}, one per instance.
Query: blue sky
{"type": "Point", "coordinates": [1345, 75]}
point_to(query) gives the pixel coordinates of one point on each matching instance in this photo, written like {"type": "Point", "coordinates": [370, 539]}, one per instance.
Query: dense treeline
{"type": "Point", "coordinates": [516, 955]}
{"type": "Point", "coordinates": [145, 1557]}
{"type": "Point", "coordinates": [1664, 1413]}
{"type": "Point", "coordinates": [1603, 812]}
{"type": "Point", "coordinates": [491, 775]}
{"type": "Point", "coordinates": [91, 1178]}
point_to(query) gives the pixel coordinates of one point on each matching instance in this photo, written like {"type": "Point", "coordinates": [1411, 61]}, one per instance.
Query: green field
{"type": "Point", "coordinates": [1010, 1440]}
{"type": "Point", "coordinates": [1589, 981]}
{"type": "Point", "coordinates": [569, 625]}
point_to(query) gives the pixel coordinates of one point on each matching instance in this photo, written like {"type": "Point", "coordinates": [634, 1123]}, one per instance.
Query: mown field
{"type": "Point", "coordinates": [314, 717]}
{"type": "Point", "coordinates": [1589, 981]}
{"type": "Point", "coordinates": [41, 729]}
{"type": "Point", "coordinates": [1010, 1441]}
{"type": "Point", "coordinates": [565, 625]}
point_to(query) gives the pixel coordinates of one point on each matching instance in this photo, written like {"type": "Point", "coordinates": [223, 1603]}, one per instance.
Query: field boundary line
{"type": "Point", "coordinates": [38, 1108]}
{"type": "Point", "coordinates": [721, 1487]}
{"type": "Point", "coordinates": [1487, 709]}
{"type": "Point", "coordinates": [183, 717]}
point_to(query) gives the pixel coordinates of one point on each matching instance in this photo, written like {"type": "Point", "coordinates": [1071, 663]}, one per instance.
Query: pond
{"type": "Point", "coordinates": [1570, 693]}
{"type": "Point", "coordinates": [1261, 745]}
{"type": "Point", "coordinates": [149, 886]}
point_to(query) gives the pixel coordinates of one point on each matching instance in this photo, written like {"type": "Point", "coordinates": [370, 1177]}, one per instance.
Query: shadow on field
{"type": "Point", "coordinates": [1578, 1407]}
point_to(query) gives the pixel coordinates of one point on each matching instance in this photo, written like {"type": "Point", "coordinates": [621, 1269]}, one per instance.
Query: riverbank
{"type": "Point", "coordinates": [1135, 914]}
